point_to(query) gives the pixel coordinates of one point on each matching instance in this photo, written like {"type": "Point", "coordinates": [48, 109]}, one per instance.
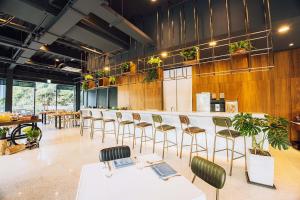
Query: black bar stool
{"type": "Point", "coordinates": [193, 132]}
{"type": "Point", "coordinates": [165, 129]}
{"type": "Point", "coordinates": [84, 118]}
{"type": "Point", "coordinates": [141, 125]}
{"type": "Point", "coordinates": [228, 134]}
{"type": "Point", "coordinates": [123, 124]}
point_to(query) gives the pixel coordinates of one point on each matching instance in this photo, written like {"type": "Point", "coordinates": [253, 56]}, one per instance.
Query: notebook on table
{"type": "Point", "coordinates": [163, 170]}
{"type": "Point", "coordinates": [124, 162]}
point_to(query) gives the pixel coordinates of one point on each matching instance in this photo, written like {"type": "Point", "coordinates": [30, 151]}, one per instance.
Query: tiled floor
{"type": "Point", "coordinates": [53, 170]}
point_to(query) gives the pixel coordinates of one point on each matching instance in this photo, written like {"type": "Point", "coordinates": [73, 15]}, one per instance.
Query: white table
{"type": "Point", "coordinates": [131, 183]}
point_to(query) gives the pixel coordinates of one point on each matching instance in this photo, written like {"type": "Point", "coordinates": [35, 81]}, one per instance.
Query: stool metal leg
{"type": "Point", "coordinates": [191, 150]}
{"type": "Point", "coordinates": [154, 139]}
{"type": "Point", "coordinates": [163, 153]}
{"type": "Point", "coordinates": [176, 142]}
{"type": "Point", "coordinates": [181, 144]}
{"type": "Point", "coordinates": [214, 152]}
{"type": "Point", "coordinates": [81, 127]}
{"type": "Point", "coordinates": [118, 133]}
{"type": "Point", "coordinates": [123, 134]}
{"type": "Point", "coordinates": [206, 146]}
{"type": "Point", "coordinates": [103, 134]}
{"type": "Point", "coordinates": [227, 148]}
{"type": "Point", "coordinates": [114, 124]}
{"type": "Point", "coordinates": [245, 149]}
{"type": "Point", "coordinates": [142, 133]}
{"type": "Point", "coordinates": [232, 154]}
{"type": "Point", "coordinates": [92, 129]}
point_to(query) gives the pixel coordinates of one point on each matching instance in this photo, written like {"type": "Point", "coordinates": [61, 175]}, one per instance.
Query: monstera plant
{"type": "Point", "coordinates": [274, 130]}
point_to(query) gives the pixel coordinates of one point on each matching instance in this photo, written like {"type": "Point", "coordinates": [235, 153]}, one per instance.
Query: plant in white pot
{"type": "Point", "coordinates": [260, 163]}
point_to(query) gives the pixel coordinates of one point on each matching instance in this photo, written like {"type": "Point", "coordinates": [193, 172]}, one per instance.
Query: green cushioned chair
{"type": "Point", "coordinates": [210, 172]}
{"type": "Point", "coordinates": [123, 124]}
{"type": "Point", "coordinates": [228, 134]}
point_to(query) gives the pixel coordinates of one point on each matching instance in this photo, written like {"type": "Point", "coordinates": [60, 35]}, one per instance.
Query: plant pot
{"type": "Point", "coordinates": [260, 169]}
{"type": "Point", "coordinates": [103, 81]}
{"type": "Point", "coordinates": [91, 84]}
{"type": "Point", "coordinates": [239, 52]}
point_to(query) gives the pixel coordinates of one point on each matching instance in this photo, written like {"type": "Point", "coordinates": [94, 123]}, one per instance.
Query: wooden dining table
{"type": "Point", "coordinates": [133, 183]}
{"type": "Point", "coordinates": [59, 116]}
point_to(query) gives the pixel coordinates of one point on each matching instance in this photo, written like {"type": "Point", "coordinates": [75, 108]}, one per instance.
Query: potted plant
{"type": "Point", "coordinates": [154, 62]}
{"type": "Point", "coordinates": [125, 67]}
{"type": "Point", "coordinates": [112, 80]}
{"type": "Point", "coordinates": [260, 163]}
{"type": "Point", "coordinates": [32, 136]}
{"type": "Point", "coordinates": [100, 74]}
{"type": "Point", "coordinates": [85, 86]}
{"type": "Point", "coordinates": [240, 47]}
{"type": "Point", "coordinates": [151, 75]}
{"type": "Point", "coordinates": [3, 132]}
{"type": "Point", "coordinates": [190, 54]}
{"type": "Point", "coordinates": [102, 78]}
{"type": "Point", "coordinates": [90, 81]}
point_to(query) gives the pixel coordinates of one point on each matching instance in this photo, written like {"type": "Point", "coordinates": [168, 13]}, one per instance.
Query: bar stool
{"type": "Point", "coordinates": [193, 132]}
{"type": "Point", "coordinates": [228, 134]}
{"type": "Point", "coordinates": [95, 119]}
{"type": "Point", "coordinates": [165, 129]}
{"type": "Point", "coordinates": [83, 118]}
{"type": "Point", "coordinates": [123, 124]}
{"type": "Point", "coordinates": [106, 121]}
{"type": "Point", "coordinates": [141, 125]}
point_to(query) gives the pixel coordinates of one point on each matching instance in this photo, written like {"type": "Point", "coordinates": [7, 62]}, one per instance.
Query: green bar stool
{"type": "Point", "coordinates": [123, 124]}
{"type": "Point", "coordinates": [165, 129]}
{"type": "Point", "coordinates": [228, 134]}
{"type": "Point", "coordinates": [97, 119]}
{"type": "Point", "coordinates": [193, 132]}
{"type": "Point", "coordinates": [105, 131]}
{"type": "Point", "coordinates": [141, 125]}
{"type": "Point", "coordinates": [208, 171]}
{"type": "Point", "coordinates": [84, 118]}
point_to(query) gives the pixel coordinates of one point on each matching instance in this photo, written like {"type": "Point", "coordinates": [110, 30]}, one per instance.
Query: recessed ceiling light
{"type": "Point", "coordinates": [153, 0]}
{"type": "Point", "coordinates": [164, 54]}
{"type": "Point", "coordinates": [212, 44]}
{"type": "Point", "coordinates": [283, 29]}
{"type": "Point", "coordinates": [48, 81]}
{"type": "Point", "coordinates": [291, 44]}
{"type": "Point", "coordinates": [57, 60]}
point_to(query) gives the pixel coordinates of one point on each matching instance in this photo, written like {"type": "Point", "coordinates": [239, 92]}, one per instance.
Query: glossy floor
{"type": "Point", "coordinates": [53, 170]}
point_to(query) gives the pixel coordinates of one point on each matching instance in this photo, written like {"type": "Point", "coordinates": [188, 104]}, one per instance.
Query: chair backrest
{"type": "Point", "coordinates": [156, 118]}
{"type": "Point", "coordinates": [83, 113]}
{"type": "Point", "coordinates": [136, 116]}
{"type": "Point", "coordinates": [101, 113]}
{"type": "Point", "coordinates": [222, 121]}
{"type": "Point", "coordinates": [184, 119]}
{"type": "Point", "coordinates": [210, 172]}
{"type": "Point", "coordinates": [114, 153]}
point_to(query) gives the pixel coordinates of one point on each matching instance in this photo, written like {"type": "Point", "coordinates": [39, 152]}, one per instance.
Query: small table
{"type": "Point", "coordinates": [131, 183]}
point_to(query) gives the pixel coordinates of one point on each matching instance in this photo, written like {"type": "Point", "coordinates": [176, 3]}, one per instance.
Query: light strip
{"type": "Point", "coordinates": [92, 50]}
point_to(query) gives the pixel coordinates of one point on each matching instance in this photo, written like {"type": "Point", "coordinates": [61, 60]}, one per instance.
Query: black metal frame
{"type": "Point", "coordinates": [16, 134]}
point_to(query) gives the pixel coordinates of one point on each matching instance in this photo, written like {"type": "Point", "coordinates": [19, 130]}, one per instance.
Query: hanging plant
{"type": "Point", "coordinates": [112, 80]}
{"type": "Point", "coordinates": [125, 67]}
{"type": "Point", "coordinates": [240, 47]}
{"type": "Point", "coordinates": [100, 74]}
{"type": "Point", "coordinates": [84, 86]}
{"type": "Point", "coordinates": [151, 75]}
{"type": "Point", "coordinates": [88, 77]}
{"type": "Point", "coordinates": [190, 54]}
{"type": "Point", "coordinates": [154, 61]}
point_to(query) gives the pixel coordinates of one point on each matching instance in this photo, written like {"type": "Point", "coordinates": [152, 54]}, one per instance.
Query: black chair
{"type": "Point", "coordinates": [210, 172]}
{"type": "Point", "coordinates": [114, 153]}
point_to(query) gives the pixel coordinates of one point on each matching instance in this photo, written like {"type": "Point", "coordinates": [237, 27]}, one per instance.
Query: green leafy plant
{"type": "Point", "coordinates": [88, 77]}
{"type": "Point", "coordinates": [112, 80]}
{"type": "Point", "coordinates": [125, 67]}
{"type": "Point", "coordinates": [274, 129]}
{"type": "Point", "coordinates": [241, 46]}
{"type": "Point", "coordinates": [151, 75]}
{"type": "Point", "coordinates": [3, 132]}
{"type": "Point", "coordinates": [190, 54]}
{"type": "Point", "coordinates": [32, 133]}
{"type": "Point", "coordinates": [100, 74]}
{"type": "Point", "coordinates": [85, 85]}
{"type": "Point", "coordinates": [154, 61]}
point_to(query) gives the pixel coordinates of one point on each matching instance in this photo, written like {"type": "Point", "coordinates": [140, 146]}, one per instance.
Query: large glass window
{"type": "Point", "coordinates": [2, 95]}
{"type": "Point", "coordinates": [23, 97]}
{"type": "Point", "coordinates": [45, 97]}
{"type": "Point", "coordinates": [65, 97]}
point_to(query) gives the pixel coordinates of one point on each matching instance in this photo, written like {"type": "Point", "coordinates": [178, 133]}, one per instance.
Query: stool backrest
{"type": "Point", "coordinates": [222, 121]}
{"type": "Point", "coordinates": [101, 113]}
{"type": "Point", "coordinates": [210, 172]}
{"type": "Point", "coordinates": [184, 119]}
{"type": "Point", "coordinates": [83, 114]}
{"type": "Point", "coordinates": [136, 116]}
{"type": "Point", "coordinates": [114, 153]}
{"type": "Point", "coordinates": [156, 118]}
{"type": "Point", "coordinates": [119, 116]}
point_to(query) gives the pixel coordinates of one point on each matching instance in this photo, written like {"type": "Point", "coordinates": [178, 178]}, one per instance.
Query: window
{"type": "Point", "coordinates": [65, 97]}
{"type": "Point", "coordinates": [2, 94]}
{"type": "Point", "coordinates": [45, 97]}
{"type": "Point", "coordinates": [23, 97]}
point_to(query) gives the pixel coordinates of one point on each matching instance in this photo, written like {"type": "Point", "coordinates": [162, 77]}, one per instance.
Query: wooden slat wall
{"type": "Point", "coordinates": [276, 91]}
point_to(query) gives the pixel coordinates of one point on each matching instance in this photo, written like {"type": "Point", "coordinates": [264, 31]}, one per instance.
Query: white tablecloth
{"type": "Point", "coordinates": [132, 183]}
